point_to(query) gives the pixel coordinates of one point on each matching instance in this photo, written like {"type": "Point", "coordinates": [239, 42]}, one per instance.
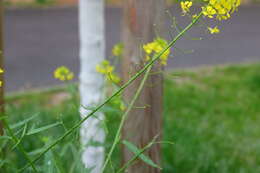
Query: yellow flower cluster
{"type": "Point", "coordinates": [63, 73]}
{"type": "Point", "coordinates": [221, 9]}
{"type": "Point", "coordinates": [108, 71]}
{"type": "Point", "coordinates": [214, 30]}
{"type": "Point", "coordinates": [1, 71]}
{"type": "Point", "coordinates": [118, 102]}
{"type": "Point", "coordinates": [155, 47]}
{"type": "Point", "coordinates": [185, 6]}
{"type": "Point", "coordinates": [118, 49]}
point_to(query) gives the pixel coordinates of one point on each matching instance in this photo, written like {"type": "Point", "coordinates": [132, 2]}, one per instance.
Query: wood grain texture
{"type": "Point", "coordinates": [142, 20]}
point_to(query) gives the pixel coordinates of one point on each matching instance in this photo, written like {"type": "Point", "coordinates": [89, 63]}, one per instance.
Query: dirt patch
{"type": "Point", "coordinates": [58, 98]}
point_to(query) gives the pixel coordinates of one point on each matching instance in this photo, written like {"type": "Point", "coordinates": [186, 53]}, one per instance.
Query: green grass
{"type": "Point", "coordinates": [34, 4]}
{"type": "Point", "coordinates": [212, 115]}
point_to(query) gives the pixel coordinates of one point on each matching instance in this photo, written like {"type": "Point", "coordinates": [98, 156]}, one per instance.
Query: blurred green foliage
{"type": "Point", "coordinates": [212, 115]}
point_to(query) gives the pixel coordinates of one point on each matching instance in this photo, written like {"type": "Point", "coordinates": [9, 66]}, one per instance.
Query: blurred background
{"type": "Point", "coordinates": [43, 34]}
{"type": "Point", "coordinates": [211, 110]}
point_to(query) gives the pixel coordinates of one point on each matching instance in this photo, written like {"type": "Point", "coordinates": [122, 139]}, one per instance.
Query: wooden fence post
{"type": "Point", "coordinates": [142, 20]}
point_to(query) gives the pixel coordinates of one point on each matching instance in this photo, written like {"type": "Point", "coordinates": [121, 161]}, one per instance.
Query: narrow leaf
{"type": "Point", "coordinates": [21, 123]}
{"type": "Point", "coordinates": [136, 151]}
{"type": "Point", "coordinates": [3, 117]}
{"type": "Point", "coordinates": [5, 138]}
{"type": "Point", "coordinates": [38, 130]}
{"type": "Point", "coordinates": [21, 138]}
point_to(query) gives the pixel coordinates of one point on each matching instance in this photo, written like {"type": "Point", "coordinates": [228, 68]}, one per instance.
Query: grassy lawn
{"type": "Point", "coordinates": [30, 4]}
{"type": "Point", "coordinates": [212, 115]}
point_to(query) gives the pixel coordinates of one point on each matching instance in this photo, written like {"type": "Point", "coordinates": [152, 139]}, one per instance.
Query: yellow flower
{"type": "Point", "coordinates": [118, 49]}
{"type": "Point", "coordinates": [214, 30]}
{"type": "Point", "coordinates": [118, 102]}
{"type": "Point", "coordinates": [156, 47]}
{"type": "Point", "coordinates": [108, 71]}
{"type": "Point", "coordinates": [149, 47]}
{"type": "Point", "coordinates": [147, 58]}
{"type": "Point", "coordinates": [113, 78]}
{"type": "Point", "coordinates": [194, 16]}
{"type": "Point", "coordinates": [63, 73]}
{"type": "Point", "coordinates": [185, 6]}
{"type": "Point", "coordinates": [104, 67]}
{"type": "Point", "coordinates": [122, 106]}
{"type": "Point", "coordinates": [1, 82]}
{"type": "Point", "coordinates": [221, 9]}
{"type": "Point", "coordinates": [208, 11]}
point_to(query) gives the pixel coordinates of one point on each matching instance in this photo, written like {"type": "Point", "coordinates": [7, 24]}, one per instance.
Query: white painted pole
{"type": "Point", "coordinates": [92, 52]}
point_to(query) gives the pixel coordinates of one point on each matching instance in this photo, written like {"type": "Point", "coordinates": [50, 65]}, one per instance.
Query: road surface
{"type": "Point", "coordinates": [39, 40]}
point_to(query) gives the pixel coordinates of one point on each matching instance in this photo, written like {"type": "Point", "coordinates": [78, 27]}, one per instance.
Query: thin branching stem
{"type": "Point", "coordinates": [129, 108]}
{"type": "Point", "coordinates": [140, 152]}
{"type": "Point", "coordinates": [20, 148]}
{"type": "Point", "coordinates": [139, 73]}
{"type": "Point", "coordinates": [129, 162]}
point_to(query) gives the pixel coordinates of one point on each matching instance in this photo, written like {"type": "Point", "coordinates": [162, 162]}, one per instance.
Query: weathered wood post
{"type": "Point", "coordinates": [142, 20]}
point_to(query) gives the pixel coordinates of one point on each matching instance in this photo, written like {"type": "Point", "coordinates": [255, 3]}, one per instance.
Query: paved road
{"type": "Point", "coordinates": [39, 40]}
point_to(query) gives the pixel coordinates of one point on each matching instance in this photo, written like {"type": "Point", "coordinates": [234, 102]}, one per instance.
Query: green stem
{"type": "Point", "coordinates": [149, 145]}
{"type": "Point", "coordinates": [129, 108]}
{"type": "Point", "coordinates": [118, 91]}
{"type": "Point", "coordinates": [117, 137]}
{"type": "Point", "coordinates": [19, 146]}
{"type": "Point", "coordinates": [129, 162]}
